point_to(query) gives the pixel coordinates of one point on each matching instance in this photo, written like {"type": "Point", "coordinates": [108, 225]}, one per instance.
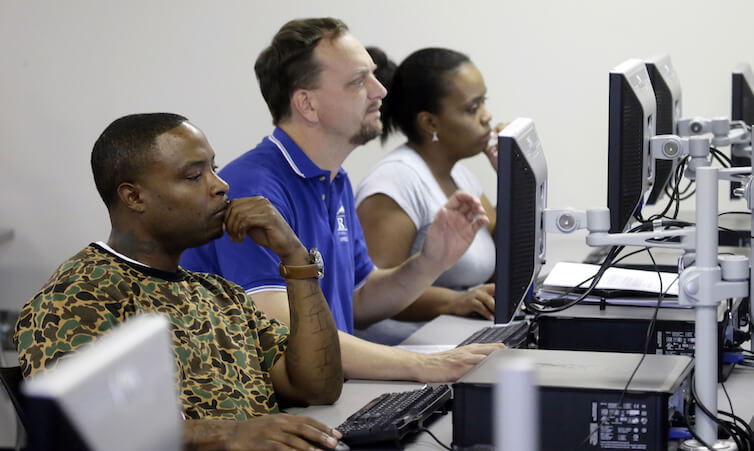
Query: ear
{"type": "Point", "coordinates": [427, 123]}
{"type": "Point", "coordinates": [304, 102]}
{"type": "Point", "coordinates": [130, 195]}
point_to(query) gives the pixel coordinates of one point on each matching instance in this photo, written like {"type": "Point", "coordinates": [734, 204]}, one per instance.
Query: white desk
{"type": "Point", "coordinates": [450, 330]}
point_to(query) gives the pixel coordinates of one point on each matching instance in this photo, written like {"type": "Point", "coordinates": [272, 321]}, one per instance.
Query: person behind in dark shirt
{"type": "Point", "coordinates": [156, 174]}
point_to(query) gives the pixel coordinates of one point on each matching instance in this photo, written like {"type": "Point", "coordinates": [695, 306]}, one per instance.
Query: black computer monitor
{"type": "Point", "coordinates": [742, 98]}
{"type": "Point", "coordinates": [667, 90]}
{"type": "Point", "coordinates": [742, 109]}
{"type": "Point", "coordinates": [631, 125]}
{"type": "Point", "coordinates": [519, 232]}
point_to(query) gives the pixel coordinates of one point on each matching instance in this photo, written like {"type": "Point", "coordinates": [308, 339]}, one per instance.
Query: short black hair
{"type": "Point", "coordinates": [124, 148]}
{"type": "Point", "coordinates": [418, 84]}
{"type": "Point", "coordinates": [288, 63]}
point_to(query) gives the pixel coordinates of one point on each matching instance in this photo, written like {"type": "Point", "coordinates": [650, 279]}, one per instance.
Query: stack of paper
{"type": "Point", "coordinates": [617, 285]}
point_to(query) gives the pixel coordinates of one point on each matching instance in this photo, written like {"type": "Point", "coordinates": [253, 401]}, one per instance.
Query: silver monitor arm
{"type": "Point", "coordinates": [724, 132]}
{"type": "Point", "coordinates": [711, 280]}
{"type": "Point", "coordinates": [668, 147]}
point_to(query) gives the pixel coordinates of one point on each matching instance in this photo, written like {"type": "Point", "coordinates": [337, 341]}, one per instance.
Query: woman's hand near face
{"type": "Point", "coordinates": [491, 150]}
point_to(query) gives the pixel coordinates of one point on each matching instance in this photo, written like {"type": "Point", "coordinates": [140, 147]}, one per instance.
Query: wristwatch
{"type": "Point", "coordinates": [314, 270]}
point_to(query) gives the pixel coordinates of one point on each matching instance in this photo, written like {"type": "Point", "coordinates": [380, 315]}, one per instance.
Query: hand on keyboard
{"type": "Point", "coordinates": [447, 366]}
{"type": "Point", "coordinates": [269, 431]}
{"type": "Point", "coordinates": [478, 300]}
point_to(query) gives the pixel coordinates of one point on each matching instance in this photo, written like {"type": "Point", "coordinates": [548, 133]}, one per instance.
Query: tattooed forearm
{"type": "Point", "coordinates": [293, 308]}
{"type": "Point", "coordinates": [319, 316]}
{"type": "Point", "coordinates": [313, 353]}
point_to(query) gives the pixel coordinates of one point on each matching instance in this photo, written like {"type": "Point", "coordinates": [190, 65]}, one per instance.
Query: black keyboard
{"type": "Point", "coordinates": [391, 416]}
{"type": "Point", "coordinates": [511, 334]}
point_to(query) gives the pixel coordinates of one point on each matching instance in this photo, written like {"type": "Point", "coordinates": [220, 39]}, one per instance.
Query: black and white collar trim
{"type": "Point", "coordinates": [286, 155]}
{"type": "Point", "coordinates": [141, 267]}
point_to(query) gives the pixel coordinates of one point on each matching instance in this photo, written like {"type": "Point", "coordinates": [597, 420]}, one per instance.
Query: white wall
{"type": "Point", "coordinates": [68, 68]}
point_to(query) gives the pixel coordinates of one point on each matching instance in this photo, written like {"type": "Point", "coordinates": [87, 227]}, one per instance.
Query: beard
{"type": "Point", "coordinates": [367, 132]}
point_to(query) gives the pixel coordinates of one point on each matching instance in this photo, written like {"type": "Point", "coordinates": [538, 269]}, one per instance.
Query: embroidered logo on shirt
{"type": "Point", "coordinates": [340, 220]}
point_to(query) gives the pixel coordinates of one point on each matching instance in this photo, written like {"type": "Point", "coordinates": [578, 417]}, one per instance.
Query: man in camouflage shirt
{"type": "Point", "coordinates": [156, 175]}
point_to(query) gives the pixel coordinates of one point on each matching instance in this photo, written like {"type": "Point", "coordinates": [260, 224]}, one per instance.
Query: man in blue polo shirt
{"type": "Point", "coordinates": [318, 82]}
{"type": "Point", "coordinates": [312, 205]}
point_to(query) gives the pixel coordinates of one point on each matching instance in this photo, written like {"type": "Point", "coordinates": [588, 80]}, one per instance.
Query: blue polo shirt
{"type": "Point", "coordinates": [322, 214]}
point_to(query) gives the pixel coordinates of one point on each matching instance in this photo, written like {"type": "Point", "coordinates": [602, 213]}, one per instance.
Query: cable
{"type": "Point", "coordinates": [435, 437]}
{"type": "Point", "coordinates": [746, 428]}
{"type": "Point", "coordinates": [539, 307]}
{"type": "Point", "coordinates": [647, 341]}
{"type": "Point", "coordinates": [721, 158]}
{"type": "Point", "coordinates": [730, 403]}
{"type": "Point", "coordinates": [692, 431]}
{"type": "Point", "coordinates": [726, 426]}
{"type": "Point", "coordinates": [672, 190]}
{"type": "Point", "coordinates": [734, 213]}
{"type": "Point", "coordinates": [630, 254]}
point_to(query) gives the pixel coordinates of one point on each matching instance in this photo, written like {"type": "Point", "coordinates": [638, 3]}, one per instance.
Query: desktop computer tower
{"type": "Point", "coordinates": [579, 394]}
{"type": "Point", "coordinates": [623, 328]}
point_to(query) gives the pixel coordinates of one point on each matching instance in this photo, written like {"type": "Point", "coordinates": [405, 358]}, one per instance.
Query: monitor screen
{"type": "Point", "coordinates": [631, 125]}
{"type": "Point", "coordinates": [667, 90]}
{"type": "Point", "coordinates": [118, 393]}
{"type": "Point", "coordinates": [742, 109]}
{"type": "Point", "coordinates": [521, 199]}
{"type": "Point", "coordinates": [742, 98]}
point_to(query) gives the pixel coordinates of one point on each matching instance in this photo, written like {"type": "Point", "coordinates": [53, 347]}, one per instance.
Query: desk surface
{"type": "Point", "coordinates": [447, 330]}
{"type": "Point", "coordinates": [450, 330]}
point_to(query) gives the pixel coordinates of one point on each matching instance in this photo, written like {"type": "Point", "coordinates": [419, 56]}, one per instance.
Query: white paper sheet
{"type": "Point", "coordinates": [567, 274]}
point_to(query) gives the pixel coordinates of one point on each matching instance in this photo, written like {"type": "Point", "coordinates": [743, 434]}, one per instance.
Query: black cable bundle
{"type": "Point", "coordinates": [736, 428]}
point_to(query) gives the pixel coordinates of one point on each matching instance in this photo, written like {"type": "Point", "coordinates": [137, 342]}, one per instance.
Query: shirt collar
{"type": "Point", "coordinates": [300, 163]}
{"type": "Point", "coordinates": [177, 276]}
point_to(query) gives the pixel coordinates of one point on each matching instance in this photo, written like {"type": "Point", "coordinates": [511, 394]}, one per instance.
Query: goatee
{"type": "Point", "coordinates": [367, 132]}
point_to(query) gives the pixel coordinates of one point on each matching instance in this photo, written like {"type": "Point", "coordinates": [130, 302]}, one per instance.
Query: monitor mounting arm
{"type": "Point", "coordinates": [597, 222]}
{"type": "Point", "coordinates": [670, 147]}
{"type": "Point", "coordinates": [724, 132]}
{"type": "Point", "coordinates": [711, 280]}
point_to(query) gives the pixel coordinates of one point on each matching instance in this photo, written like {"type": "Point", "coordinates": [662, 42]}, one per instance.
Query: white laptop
{"type": "Point", "coordinates": [116, 394]}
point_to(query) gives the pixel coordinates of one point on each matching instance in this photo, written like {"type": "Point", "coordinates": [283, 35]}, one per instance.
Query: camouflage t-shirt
{"type": "Point", "coordinates": [224, 347]}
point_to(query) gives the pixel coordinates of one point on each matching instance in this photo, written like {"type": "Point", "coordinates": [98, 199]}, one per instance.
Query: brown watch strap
{"type": "Point", "coordinates": [299, 272]}
{"type": "Point", "coordinates": [314, 270]}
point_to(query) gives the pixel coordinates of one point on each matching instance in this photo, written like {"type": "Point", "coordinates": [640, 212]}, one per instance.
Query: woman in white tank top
{"type": "Point", "coordinates": [436, 98]}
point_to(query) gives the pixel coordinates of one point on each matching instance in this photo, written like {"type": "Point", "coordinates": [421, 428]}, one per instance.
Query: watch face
{"type": "Point", "coordinates": [317, 260]}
